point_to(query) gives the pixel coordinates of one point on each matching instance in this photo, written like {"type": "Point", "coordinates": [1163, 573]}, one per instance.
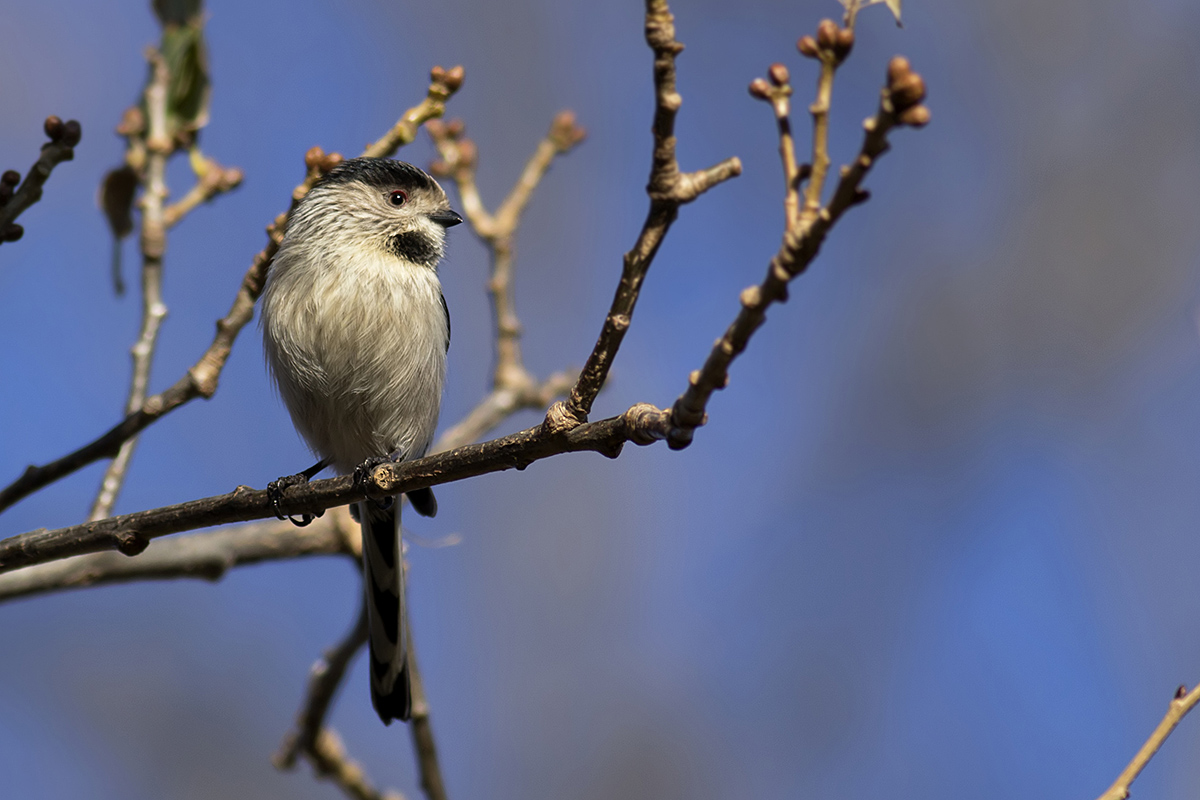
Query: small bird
{"type": "Point", "coordinates": [356, 330]}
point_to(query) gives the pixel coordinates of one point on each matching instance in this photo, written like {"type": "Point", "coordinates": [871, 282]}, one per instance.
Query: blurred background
{"type": "Point", "coordinates": [938, 540]}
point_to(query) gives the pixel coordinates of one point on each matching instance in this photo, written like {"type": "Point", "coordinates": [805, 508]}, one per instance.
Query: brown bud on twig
{"type": "Point", "coordinates": [827, 32]}
{"type": "Point", "coordinates": [915, 117]}
{"type": "Point", "coordinates": [13, 232]}
{"type": "Point", "coordinates": [807, 46]}
{"type": "Point", "coordinates": [455, 128]}
{"type": "Point", "coordinates": [778, 74]}
{"type": "Point", "coordinates": [1181, 692]}
{"type": "Point", "coordinates": [898, 67]}
{"type": "Point", "coordinates": [907, 91]}
{"type": "Point", "coordinates": [230, 179]}
{"type": "Point", "coordinates": [330, 161]}
{"type": "Point", "coordinates": [133, 122]}
{"type": "Point", "coordinates": [450, 78]}
{"type": "Point", "coordinates": [72, 132]}
{"type": "Point", "coordinates": [843, 44]}
{"type": "Point", "coordinates": [761, 89]}
{"type": "Point", "coordinates": [10, 178]}
{"type": "Point", "coordinates": [313, 157]}
{"type": "Point", "coordinates": [53, 127]}
{"type": "Point", "coordinates": [565, 133]}
{"type": "Point", "coordinates": [467, 153]}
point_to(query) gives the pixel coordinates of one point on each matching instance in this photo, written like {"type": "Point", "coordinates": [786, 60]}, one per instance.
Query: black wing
{"type": "Point", "coordinates": [446, 309]}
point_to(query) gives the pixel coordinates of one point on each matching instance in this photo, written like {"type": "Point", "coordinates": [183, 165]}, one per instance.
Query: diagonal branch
{"type": "Point", "coordinates": [202, 378]}
{"type": "Point", "coordinates": [668, 189]}
{"type": "Point", "coordinates": [1183, 702]}
{"type": "Point", "coordinates": [324, 678]}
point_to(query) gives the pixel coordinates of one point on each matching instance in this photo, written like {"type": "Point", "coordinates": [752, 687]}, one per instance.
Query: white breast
{"type": "Point", "coordinates": [358, 351]}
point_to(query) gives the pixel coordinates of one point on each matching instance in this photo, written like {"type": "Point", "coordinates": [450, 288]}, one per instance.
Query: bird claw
{"type": "Point", "coordinates": [275, 490]}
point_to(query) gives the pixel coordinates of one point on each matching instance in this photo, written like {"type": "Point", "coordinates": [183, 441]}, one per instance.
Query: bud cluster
{"type": "Point", "coordinates": [465, 152]}
{"type": "Point", "coordinates": [450, 78]}
{"type": "Point", "coordinates": [906, 90]}
{"type": "Point", "coordinates": [68, 133]}
{"type": "Point", "coordinates": [832, 43]}
{"type": "Point", "coordinates": [317, 160]}
{"type": "Point", "coordinates": [565, 132]}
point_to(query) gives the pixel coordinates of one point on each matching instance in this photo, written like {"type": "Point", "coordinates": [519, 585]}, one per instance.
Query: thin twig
{"type": "Point", "coordinates": [14, 198]}
{"type": "Point", "coordinates": [899, 105]}
{"type": "Point", "coordinates": [498, 232]}
{"type": "Point", "coordinates": [202, 378]}
{"type": "Point", "coordinates": [668, 189]}
{"type": "Point", "coordinates": [159, 148]}
{"type": "Point", "coordinates": [331, 763]}
{"type": "Point", "coordinates": [1183, 702]}
{"type": "Point", "coordinates": [424, 745]}
{"type": "Point", "coordinates": [323, 681]}
{"type": "Point", "coordinates": [211, 180]}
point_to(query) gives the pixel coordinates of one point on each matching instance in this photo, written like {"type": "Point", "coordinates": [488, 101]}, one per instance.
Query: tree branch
{"type": "Point", "coordinates": [324, 678]}
{"type": "Point", "coordinates": [668, 189]}
{"type": "Point", "coordinates": [15, 199]}
{"type": "Point", "coordinates": [899, 105]}
{"type": "Point", "coordinates": [159, 147]}
{"type": "Point", "coordinates": [201, 380]}
{"type": "Point", "coordinates": [1183, 702]}
{"type": "Point", "coordinates": [207, 556]}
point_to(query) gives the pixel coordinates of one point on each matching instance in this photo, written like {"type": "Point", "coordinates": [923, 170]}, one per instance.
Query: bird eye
{"type": "Point", "coordinates": [398, 197]}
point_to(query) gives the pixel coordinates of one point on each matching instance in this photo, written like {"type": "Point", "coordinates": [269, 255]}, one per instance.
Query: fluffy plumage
{"type": "Point", "coordinates": [355, 331]}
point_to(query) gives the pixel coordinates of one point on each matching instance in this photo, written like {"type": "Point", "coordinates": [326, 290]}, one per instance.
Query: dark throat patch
{"type": "Point", "coordinates": [415, 246]}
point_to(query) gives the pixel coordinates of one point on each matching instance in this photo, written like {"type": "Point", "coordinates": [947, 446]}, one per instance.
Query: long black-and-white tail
{"type": "Point", "coordinates": [383, 576]}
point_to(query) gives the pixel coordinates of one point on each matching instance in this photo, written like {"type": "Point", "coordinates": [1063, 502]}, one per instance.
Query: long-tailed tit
{"type": "Point", "coordinates": [356, 330]}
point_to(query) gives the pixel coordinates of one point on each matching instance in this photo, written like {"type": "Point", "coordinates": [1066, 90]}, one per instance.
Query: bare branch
{"type": "Point", "coordinates": [131, 533]}
{"type": "Point", "coordinates": [207, 556]}
{"type": "Point", "coordinates": [1183, 702]}
{"type": "Point", "coordinates": [899, 105]}
{"type": "Point", "coordinates": [668, 189]}
{"type": "Point", "coordinates": [777, 91]}
{"type": "Point", "coordinates": [324, 678]}
{"type": "Point", "coordinates": [201, 380]}
{"type": "Point", "coordinates": [331, 763]}
{"type": "Point", "coordinates": [159, 147]}
{"type": "Point", "coordinates": [498, 231]}
{"type": "Point", "coordinates": [421, 727]}
{"type": "Point", "coordinates": [211, 180]}
{"type": "Point", "coordinates": [15, 199]}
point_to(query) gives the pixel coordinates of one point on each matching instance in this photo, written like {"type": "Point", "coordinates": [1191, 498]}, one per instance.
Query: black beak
{"type": "Point", "coordinates": [447, 218]}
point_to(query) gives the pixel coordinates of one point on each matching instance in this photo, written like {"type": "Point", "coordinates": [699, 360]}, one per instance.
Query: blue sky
{"type": "Point", "coordinates": [937, 539]}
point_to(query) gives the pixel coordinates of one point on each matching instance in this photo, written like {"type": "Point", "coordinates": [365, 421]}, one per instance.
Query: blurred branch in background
{"type": "Point", "coordinates": [15, 195]}
{"type": "Point", "coordinates": [173, 109]}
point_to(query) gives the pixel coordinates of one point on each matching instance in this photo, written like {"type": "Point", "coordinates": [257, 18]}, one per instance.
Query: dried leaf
{"type": "Point", "coordinates": [894, 7]}
{"type": "Point", "coordinates": [117, 193]}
